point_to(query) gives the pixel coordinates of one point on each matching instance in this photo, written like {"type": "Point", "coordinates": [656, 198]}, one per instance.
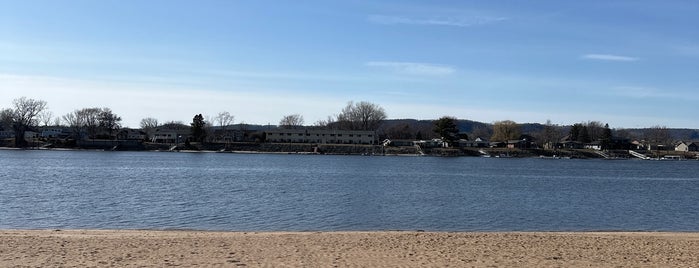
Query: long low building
{"type": "Point", "coordinates": [321, 136]}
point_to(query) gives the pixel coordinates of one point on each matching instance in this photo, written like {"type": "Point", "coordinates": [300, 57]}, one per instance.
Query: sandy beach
{"type": "Point", "coordinates": [126, 248]}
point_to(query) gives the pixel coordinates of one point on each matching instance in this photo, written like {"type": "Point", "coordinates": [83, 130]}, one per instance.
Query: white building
{"type": "Point", "coordinates": [165, 135]}
{"type": "Point", "coordinates": [322, 136]}
{"type": "Point", "coordinates": [53, 132]}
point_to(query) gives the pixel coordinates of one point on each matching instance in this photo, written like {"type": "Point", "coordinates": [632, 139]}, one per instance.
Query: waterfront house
{"type": "Point", "coordinates": [518, 144]}
{"type": "Point", "coordinates": [433, 143]}
{"type": "Point", "coordinates": [477, 143]}
{"type": "Point", "coordinates": [595, 145]}
{"type": "Point", "coordinates": [54, 133]}
{"type": "Point", "coordinates": [687, 146]}
{"type": "Point", "coordinates": [399, 142]}
{"type": "Point", "coordinates": [637, 145]}
{"type": "Point", "coordinates": [166, 135]}
{"type": "Point", "coordinates": [227, 135]}
{"type": "Point", "coordinates": [321, 136]}
{"type": "Point", "coordinates": [131, 134]}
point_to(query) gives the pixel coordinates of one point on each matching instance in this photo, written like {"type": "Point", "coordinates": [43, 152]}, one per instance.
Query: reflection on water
{"type": "Point", "coordinates": [149, 190]}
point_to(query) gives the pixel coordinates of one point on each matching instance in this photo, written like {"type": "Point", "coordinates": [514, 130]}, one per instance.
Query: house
{"type": "Point", "coordinates": [433, 143]}
{"type": "Point", "coordinates": [687, 146]}
{"type": "Point", "coordinates": [572, 145]}
{"type": "Point", "coordinates": [595, 145]}
{"type": "Point", "coordinates": [399, 142]}
{"type": "Point", "coordinates": [637, 145]}
{"type": "Point", "coordinates": [227, 135]}
{"type": "Point", "coordinates": [131, 134]}
{"type": "Point", "coordinates": [167, 135]}
{"type": "Point", "coordinates": [518, 144]}
{"type": "Point", "coordinates": [322, 136]}
{"type": "Point", "coordinates": [477, 143]}
{"type": "Point", "coordinates": [54, 133]}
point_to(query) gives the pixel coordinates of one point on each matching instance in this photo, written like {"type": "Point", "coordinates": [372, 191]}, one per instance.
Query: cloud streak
{"type": "Point", "coordinates": [444, 21]}
{"type": "Point", "coordinates": [608, 57]}
{"type": "Point", "coordinates": [650, 93]}
{"type": "Point", "coordinates": [413, 68]}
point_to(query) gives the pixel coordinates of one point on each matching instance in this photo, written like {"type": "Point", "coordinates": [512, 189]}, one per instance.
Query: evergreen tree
{"type": "Point", "coordinates": [584, 135]}
{"type": "Point", "coordinates": [606, 137]}
{"type": "Point", "coordinates": [446, 128]}
{"type": "Point", "coordinates": [575, 132]}
{"type": "Point", "coordinates": [198, 130]}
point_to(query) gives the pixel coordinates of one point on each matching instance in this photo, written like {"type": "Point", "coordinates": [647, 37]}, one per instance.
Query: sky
{"type": "Point", "coordinates": [626, 63]}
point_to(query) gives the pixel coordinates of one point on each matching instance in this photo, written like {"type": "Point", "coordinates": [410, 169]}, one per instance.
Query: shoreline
{"type": "Point", "coordinates": [342, 249]}
{"type": "Point", "coordinates": [361, 150]}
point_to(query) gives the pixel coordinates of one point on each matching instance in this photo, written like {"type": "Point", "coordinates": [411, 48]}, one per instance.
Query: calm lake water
{"type": "Point", "coordinates": [248, 192]}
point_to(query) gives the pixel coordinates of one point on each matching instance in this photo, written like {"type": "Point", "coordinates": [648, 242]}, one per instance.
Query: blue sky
{"type": "Point", "coordinates": [626, 63]}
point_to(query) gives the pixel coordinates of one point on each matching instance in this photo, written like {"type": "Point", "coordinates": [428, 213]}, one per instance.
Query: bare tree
{"type": "Point", "coordinates": [291, 121]}
{"type": "Point", "coordinates": [224, 119]}
{"type": "Point", "coordinates": [327, 123]}
{"type": "Point", "coordinates": [45, 117]}
{"type": "Point", "coordinates": [24, 117]}
{"type": "Point", "coordinates": [505, 130]}
{"type": "Point", "coordinates": [89, 117]}
{"type": "Point", "coordinates": [175, 125]}
{"type": "Point", "coordinates": [149, 123]}
{"type": "Point", "coordinates": [658, 135]}
{"type": "Point", "coordinates": [75, 121]}
{"type": "Point", "coordinates": [595, 129]}
{"type": "Point", "coordinates": [482, 132]}
{"type": "Point", "coordinates": [361, 116]}
{"type": "Point", "coordinates": [549, 135]}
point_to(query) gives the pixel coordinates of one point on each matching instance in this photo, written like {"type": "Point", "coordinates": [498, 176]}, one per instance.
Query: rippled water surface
{"type": "Point", "coordinates": [241, 192]}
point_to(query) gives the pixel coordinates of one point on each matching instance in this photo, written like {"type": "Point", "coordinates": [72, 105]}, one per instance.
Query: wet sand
{"type": "Point", "coordinates": [126, 248]}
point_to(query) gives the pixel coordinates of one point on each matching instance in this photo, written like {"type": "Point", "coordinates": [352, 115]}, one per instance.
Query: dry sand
{"type": "Point", "coordinates": [124, 248]}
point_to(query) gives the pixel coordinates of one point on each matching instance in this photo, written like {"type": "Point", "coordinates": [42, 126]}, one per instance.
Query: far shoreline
{"type": "Point", "coordinates": [491, 153]}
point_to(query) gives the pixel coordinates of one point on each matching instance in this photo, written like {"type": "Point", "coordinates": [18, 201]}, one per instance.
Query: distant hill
{"type": "Point", "coordinates": [475, 128]}
{"type": "Point", "coordinates": [391, 128]}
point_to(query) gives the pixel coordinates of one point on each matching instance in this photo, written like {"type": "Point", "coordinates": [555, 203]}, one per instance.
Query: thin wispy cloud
{"type": "Point", "coordinates": [608, 57]}
{"type": "Point", "coordinates": [437, 21]}
{"type": "Point", "coordinates": [413, 68]}
{"type": "Point", "coordinates": [650, 93]}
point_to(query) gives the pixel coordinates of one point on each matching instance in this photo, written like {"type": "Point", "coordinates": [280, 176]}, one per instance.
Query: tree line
{"type": "Point", "coordinates": [102, 123]}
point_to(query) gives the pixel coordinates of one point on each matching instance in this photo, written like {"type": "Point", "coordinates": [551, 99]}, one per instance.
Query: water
{"type": "Point", "coordinates": [237, 192]}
